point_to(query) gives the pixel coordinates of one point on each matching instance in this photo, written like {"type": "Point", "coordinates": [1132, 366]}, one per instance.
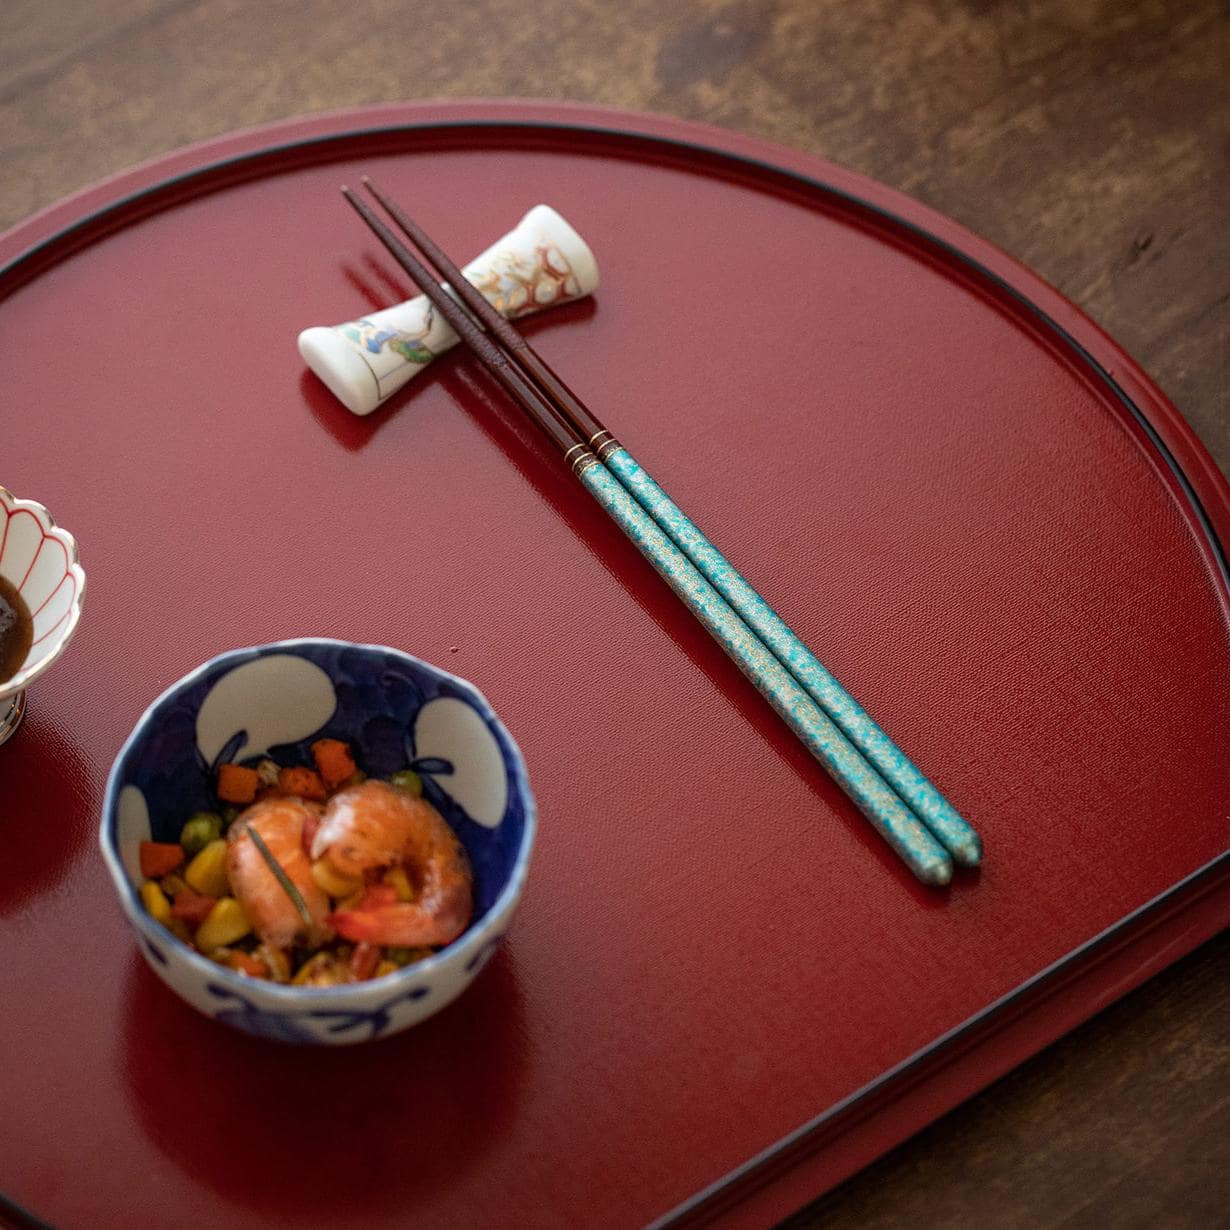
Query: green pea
{"type": "Point", "coordinates": [199, 831]}
{"type": "Point", "coordinates": [409, 780]}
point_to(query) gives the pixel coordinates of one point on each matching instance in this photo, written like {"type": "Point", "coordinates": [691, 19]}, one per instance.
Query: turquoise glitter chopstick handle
{"type": "Point", "coordinates": [912, 841]}
{"type": "Point", "coordinates": [956, 834]}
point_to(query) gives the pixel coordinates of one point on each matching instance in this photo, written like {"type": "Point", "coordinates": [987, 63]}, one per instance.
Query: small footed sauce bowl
{"type": "Point", "coordinates": [38, 561]}
{"type": "Point", "coordinates": [274, 701]}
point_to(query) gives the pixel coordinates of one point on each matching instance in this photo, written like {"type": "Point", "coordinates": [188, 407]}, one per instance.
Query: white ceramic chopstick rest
{"type": "Point", "coordinates": [541, 262]}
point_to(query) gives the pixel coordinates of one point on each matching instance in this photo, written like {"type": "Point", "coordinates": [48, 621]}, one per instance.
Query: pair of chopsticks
{"type": "Point", "coordinates": [905, 808]}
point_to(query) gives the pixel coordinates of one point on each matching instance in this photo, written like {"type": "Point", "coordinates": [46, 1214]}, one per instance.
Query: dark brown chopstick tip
{"type": "Point", "coordinates": [517, 385]}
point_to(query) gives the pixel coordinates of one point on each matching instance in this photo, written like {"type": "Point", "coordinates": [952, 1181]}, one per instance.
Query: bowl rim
{"type": "Point", "coordinates": [11, 503]}
{"type": "Point", "coordinates": [473, 937]}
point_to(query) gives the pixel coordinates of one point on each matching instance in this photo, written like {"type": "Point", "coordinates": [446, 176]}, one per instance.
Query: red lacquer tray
{"type": "Point", "coordinates": [722, 993]}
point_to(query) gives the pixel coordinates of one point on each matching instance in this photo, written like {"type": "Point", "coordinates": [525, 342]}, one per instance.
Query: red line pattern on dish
{"type": "Point", "coordinates": [68, 612]}
{"type": "Point", "coordinates": [47, 538]}
{"type": "Point", "coordinates": [42, 538]}
{"type": "Point", "coordinates": [68, 576]}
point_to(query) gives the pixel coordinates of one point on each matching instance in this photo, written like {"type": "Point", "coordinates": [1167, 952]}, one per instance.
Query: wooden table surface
{"type": "Point", "coordinates": [1087, 138]}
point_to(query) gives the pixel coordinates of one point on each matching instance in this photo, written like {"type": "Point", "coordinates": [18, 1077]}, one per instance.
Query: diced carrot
{"type": "Point", "coordinates": [302, 783]}
{"type": "Point", "coordinates": [245, 964]}
{"type": "Point", "coordinates": [192, 907]}
{"type": "Point", "coordinates": [160, 858]}
{"type": "Point", "coordinates": [237, 784]}
{"type": "Point", "coordinates": [363, 961]}
{"type": "Point", "coordinates": [333, 761]}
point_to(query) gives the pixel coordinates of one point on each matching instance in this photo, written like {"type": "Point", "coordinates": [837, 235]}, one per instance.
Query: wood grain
{"type": "Point", "coordinates": [1123, 1123]}
{"type": "Point", "coordinates": [1088, 138]}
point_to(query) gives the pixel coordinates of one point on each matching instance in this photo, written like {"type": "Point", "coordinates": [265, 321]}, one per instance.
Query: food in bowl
{"type": "Point", "coordinates": [324, 877]}
{"type": "Point", "coordinates": [276, 703]}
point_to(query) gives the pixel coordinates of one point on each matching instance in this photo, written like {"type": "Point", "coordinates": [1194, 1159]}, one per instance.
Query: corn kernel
{"type": "Point", "coordinates": [386, 967]}
{"type": "Point", "coordinates": [156, 903]}
{"type": "Point", "coordinates": [331, 881]}
{"type": "Point", "coordinates": [275, 960]}
{"type": "Point", "coordinates": [321, 970]}
{"type": "Point", "coordinates": [207, 872]}
{"type": "Point", "coordinates": [172, 885]}
{"type": "Point", "coordinates": [399, 882]}
{"type": "Point", "coordinates": [223, 925]}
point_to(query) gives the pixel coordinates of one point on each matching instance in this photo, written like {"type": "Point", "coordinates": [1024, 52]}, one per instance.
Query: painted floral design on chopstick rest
{"type": "Point", "coordinates": [541, 262]}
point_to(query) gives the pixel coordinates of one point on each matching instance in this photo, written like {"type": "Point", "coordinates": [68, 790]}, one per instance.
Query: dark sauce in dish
{"type": "Point", "coordinates": [16, 630]}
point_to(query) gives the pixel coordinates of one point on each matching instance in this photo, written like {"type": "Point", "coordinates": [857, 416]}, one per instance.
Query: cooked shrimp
{"type": "Point", "coordinates": [274, 916]}
{"type": "Point", "coordinates": [377, 826]}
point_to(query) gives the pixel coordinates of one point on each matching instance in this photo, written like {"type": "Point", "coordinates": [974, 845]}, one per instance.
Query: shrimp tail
{"type": "Point", "coordinates": [405, 924]}
{"type": "Point", "coordinates": [374, 825]}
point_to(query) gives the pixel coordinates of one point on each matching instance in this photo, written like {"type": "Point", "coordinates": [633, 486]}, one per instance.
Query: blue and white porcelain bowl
{"type": "Point", "coordinates": [275, 700]}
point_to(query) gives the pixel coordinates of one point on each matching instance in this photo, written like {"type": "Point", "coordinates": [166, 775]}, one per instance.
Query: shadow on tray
{"type": "Point", "coordinates": [303, 1133]}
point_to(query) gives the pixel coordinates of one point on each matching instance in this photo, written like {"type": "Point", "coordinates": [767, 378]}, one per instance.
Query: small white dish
{"type": "Point", "coordinates": [39, 560]}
